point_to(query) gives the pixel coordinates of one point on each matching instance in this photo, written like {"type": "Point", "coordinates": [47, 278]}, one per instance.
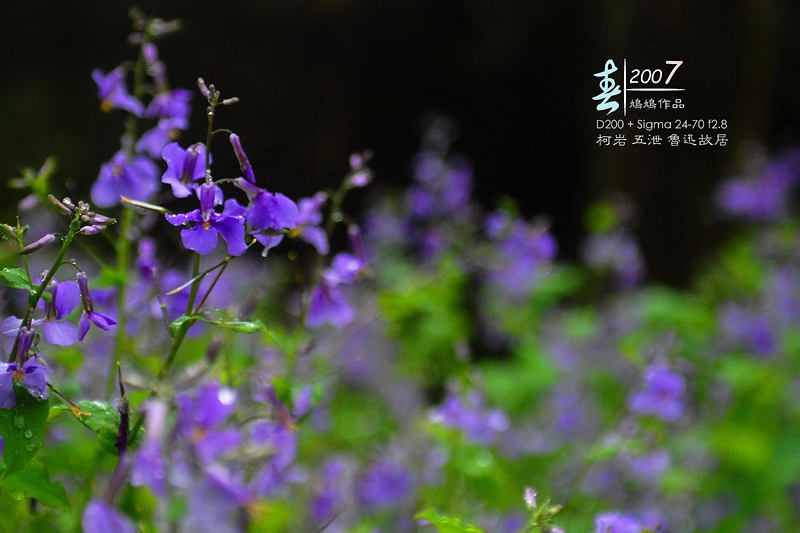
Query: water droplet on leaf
{"type": "Point", "coordinates": [28, 434]}
{"type": "Point", "coordinates": [19, 421]}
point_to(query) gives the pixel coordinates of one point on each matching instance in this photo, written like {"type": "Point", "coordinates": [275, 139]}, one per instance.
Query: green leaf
{"type": "Point", "coordinates": [218, 319]}
{"type": "Point", "coordinates": [103, 419]}
{"type": "Point", "coordinates": [17, 278]}
{"type": "Point", "coordinates": [445, 524]}
{"type": "Point", "coordinates": [22, 429]}
{"type": "Point", "coordinates": [34, 482]}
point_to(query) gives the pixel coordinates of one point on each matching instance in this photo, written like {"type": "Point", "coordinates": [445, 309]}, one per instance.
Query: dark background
{"type": "Point", "coordinates": [320, 79]}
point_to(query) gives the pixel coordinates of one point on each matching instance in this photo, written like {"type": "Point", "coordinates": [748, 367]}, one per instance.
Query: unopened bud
{"type": "Point", "coordinates": [530, 497]}
{"type": "Point", "coordinates": [244, 163]}
{"type": "Point", "coordinates": [60, 206]}
{"type": "Point", "coordinates": [41, 243]}
{"type": "Point", "coordinates": [8, 232]}
{"type": "Point", "coordinates": [203, 89]}
{"type": "Point", "coordinates": [91, 230]}
{"type": "Point", "coordinates": [101, 219]}
{"type": "Point", "coordinates": [231, 101]}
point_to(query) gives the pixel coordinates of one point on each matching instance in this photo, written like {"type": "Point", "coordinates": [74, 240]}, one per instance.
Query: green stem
{"type": "Point", "coordinates": [123, 252]}
{"type": "Point", "coordinates": [34, 298]}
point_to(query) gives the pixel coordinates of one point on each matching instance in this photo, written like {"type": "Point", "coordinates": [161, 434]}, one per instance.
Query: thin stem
{"type": "Point", "coordinates": [123, 250]}
{"type": "Point", "coordinates": [34, 298]}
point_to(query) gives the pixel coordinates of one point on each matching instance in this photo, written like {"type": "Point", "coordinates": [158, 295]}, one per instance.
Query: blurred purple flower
{"type": "Point", "coordinates": [386, 484]}
{"type": "Point", "coordinates": [618, 252]}
{"type": "Point", "coordinates": [331, 495]}
{"type": "Point", "coordinates": [662, 394]}
{"type": "Point", "coordinates": [470, 415]}
{"type": "Point", "coordinates": [148, 464]}
{"type": "Point", "coordinates": [282, 439]}
{"type": "Point", "coordinates": [100, 517]}
{"type": "Point", "coordinates": [616, 523]}
{"type": "Point", "coordinates": [328, 305]}
{"type": "Point", "coordinates": [761, 197]}
{"type": "Point", "coordinates": [136, 179]}
{"type": "Point", "coordinates": [199, 421]}
{"type": "Point", "coordinates": [309, 218]}
{"type": "Point", "coordinates": [215, 503]}
{"type": "Point", "coordinates": [751, 330]}
{"type": "Point", "coordinates": [113, 93]}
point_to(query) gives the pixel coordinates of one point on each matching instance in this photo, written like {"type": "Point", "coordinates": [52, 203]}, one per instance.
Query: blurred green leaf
{"type": "Point", "coordinates": [34, 482]}
{"type": "Point", "coordinates": [445, 524]}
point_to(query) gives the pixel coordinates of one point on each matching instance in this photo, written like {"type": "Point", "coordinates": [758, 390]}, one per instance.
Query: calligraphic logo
{"type": "Point", "coordinates": [609, 89]}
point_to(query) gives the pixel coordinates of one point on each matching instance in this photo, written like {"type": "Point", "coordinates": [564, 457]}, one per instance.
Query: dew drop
{"type": "Point", "coordinates": [31, 447]}
{"type": "Point", "coordinates": [28, 434]}
{"type": "Point", "coordinates": [19, 421]}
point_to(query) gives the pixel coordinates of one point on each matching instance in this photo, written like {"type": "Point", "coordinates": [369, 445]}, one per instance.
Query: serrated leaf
{"type": "Point", "coordinates": [22, 429]}
{"type": "Point", "coordinates": [16, 278]}
{"type": "Point", "coordinates": [33, 481]}
{"type": "Point", "coordinates": [445, 524]}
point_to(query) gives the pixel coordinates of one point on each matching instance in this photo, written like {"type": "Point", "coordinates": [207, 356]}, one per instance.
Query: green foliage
{"type": "Point", "coordinates": [34, 482]}
{"type": "Point", "coordinates": [22, 429]}
{"type": "Point", "coordinates": [101, 418]}
{"type": "Point", "coordinates": [428, 317]}
{"type": "Point", "coordinates": [446, 524]}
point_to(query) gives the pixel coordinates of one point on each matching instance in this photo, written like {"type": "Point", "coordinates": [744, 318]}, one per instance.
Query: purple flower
{"type": "Point", "coordinates": [148, 465]}
{"type": "Point", "coordinates": [331, 495]}
{"type": "Point", "coordinates": [214, 503]}
{"type": "Point", "coordinates": [66, 297]}
{"type": "Point", "coordinates": [328, 305]}
{"type": "Point", "coordinates": [114, 94]}
{"type": "Point", "coordinates": [616, 523]}
{"type": "Point", "coordinates": [266, 210]}
{"type": "Point", "coordinates": [751, 330]}
{"type": "Point", "coordinates": [184, 167]}
{"type": "Point", "coordinates": [100, 517]}
{"type": "Point", "coordinates": [386, 484]}
{"type": "Point", "coordinates": [661, 395]}
{"type": "Point", "coordinates": [282, 438]}
{"type": "Point", "coordinates": [200, 419]}
{"type": "Point", "coordinates": [618, 252]}
{"type": "Point", "coordinates": [90, 316]}
{"type": "Point", "coordinates": [31, 376]}
{"type": "Point", "coordinates": [761, 197]}
{"type": "Point", "coordinates": [469, 414]}
{"type": "Point", "coordinates": [202, 237]}
{"type": "Point", "coordinates": [309, 218]}
{"type": "Point", "coordinates": [173, 106]}
{"type": "Point", "coordinates": [136, 179]}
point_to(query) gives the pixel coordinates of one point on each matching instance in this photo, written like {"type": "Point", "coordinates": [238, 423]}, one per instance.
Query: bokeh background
{"type": "Point", "coordinates": [319, 79]}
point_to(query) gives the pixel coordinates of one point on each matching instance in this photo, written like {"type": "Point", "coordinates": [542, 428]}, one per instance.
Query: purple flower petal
{"type": "Point", "coordinates": [99, 517]}
{"type": "Point", "coordinates": [232, 231]}
{"type": "Point", "coordinates": [60, 333]}
{"type": "Point", "coordinates": [201, 239]}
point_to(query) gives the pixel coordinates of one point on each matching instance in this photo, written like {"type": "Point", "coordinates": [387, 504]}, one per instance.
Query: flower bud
{"type": "Point", "coordinates": [41, 243]}
{"type": "Point", "coordinates": [203, 89]}
{"type": "Point", "coordinates": [530, 498]}
{"type": "Point", "coordinates": [61, 207]}
{"type": "Point", "coordinates": [83, 285]}
{"type": "Point", "coordinates": [244, 163]}
{"type": "Point", "coordinates": [8, 232]}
